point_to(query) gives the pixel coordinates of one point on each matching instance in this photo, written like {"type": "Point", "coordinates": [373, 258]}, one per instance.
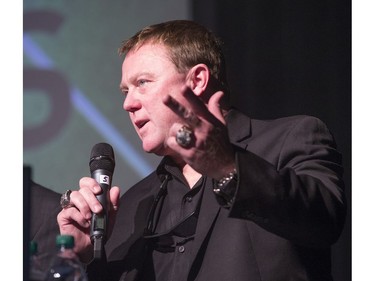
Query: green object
{"type": "Point", "coordinates": [33, 248]}
{"type": "Point", "coordinates": [67, 241]}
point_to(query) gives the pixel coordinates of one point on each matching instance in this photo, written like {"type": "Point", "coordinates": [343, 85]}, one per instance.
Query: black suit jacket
{"type": "Point", "coordinates": [45, 206]}
{"type": "Point", "coordinates": [289, 209]}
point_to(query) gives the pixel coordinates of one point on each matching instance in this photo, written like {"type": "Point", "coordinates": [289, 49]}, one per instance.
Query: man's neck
{"type": "Point", "coordinates": [191, 176]}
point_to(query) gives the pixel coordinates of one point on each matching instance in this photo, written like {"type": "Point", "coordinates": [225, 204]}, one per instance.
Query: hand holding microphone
{"type": "Point", "coordinates": [102, 165]}
{"type": "Point", "coordinates": [77, 217]}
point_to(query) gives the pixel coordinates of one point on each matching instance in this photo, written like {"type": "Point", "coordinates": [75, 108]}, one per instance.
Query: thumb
{"type": "Point", "coordinates": [114, 194]}
{"type": "Point", "coordinates": [214, 105]}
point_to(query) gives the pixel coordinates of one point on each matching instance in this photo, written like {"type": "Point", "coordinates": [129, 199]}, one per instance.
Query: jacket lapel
{"type": "Point", "coordinates": [210, 208]}
{"type": "Point", "coordinates": [207, 215]}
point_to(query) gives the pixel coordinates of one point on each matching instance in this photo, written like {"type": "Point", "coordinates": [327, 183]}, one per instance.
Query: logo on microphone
{"type": "Point", "coordinates": [104, 179]}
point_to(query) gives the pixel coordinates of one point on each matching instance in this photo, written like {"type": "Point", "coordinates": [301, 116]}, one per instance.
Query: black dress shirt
{"type": "Point", "coordinates": [174, 222]}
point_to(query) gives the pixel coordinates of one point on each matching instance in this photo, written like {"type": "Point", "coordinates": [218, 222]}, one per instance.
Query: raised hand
{"type": "Point", "coordinates": [209, 151]}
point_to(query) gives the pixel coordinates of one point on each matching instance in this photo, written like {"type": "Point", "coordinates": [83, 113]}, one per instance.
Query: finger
{"type": "Point", "coordinates": [89, 188]}
{"type": "Point", "coordinates": [114, 195]}
{"type": "Point", "coordinates": [199, 107]}
{"type": "Point", "coordinates": [91, 184]}
{"type": "Point", "coordinates": [79, 203]}
{"type": "Point", "coordinates": [182, 111]}
{"type": "Point", "coordinates": [69, 215]}
{"type": "Point", "coordinates": [173, 143]}
{"type": "Point", "coordinates": [214, 106]}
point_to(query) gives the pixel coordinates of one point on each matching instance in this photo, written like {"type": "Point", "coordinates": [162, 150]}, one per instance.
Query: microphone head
{"type": "Point", "coordinates": [102, 157]}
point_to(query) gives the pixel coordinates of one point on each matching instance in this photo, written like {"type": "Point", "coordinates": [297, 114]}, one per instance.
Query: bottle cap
{"type": "Point", "coordinates": [65, 240]}
{"type": "Point", "coordinates": [33, 247]}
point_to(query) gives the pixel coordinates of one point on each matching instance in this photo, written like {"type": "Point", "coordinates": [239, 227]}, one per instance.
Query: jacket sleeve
{"type": "Point", "coordinates": [301, 197]}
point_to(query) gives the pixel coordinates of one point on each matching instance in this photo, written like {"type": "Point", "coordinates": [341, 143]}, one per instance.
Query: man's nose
{"type": "Point", "coordinates": [131, 102]}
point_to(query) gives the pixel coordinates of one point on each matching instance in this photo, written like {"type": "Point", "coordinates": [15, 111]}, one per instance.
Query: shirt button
{"type": "Point", "coordinates": [181, 249]}
{"type": "Point", "coordinates": [189, 199]}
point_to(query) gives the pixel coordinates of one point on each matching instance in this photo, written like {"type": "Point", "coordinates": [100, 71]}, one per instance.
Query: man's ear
{"type": "Point", "coordinates": [198, 78]}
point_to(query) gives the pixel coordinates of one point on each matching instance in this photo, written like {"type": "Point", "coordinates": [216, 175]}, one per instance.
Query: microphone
{"type": "Point", "coordinates": [102, 165]}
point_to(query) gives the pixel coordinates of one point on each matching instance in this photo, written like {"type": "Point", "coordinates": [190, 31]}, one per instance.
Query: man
{"type": "Point", "coordinates": [233, 198]}
{"type": "Point", "coordinates": [44, 206]}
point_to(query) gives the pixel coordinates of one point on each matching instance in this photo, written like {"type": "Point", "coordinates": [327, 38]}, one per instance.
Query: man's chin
{"type": "Point", "coordinates": [152, 149]}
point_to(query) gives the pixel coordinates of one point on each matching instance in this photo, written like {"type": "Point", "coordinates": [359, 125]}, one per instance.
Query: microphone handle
{"type": "Point", "coordinates": [98, 229]}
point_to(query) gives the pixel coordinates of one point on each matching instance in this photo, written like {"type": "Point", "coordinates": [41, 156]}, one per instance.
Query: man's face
{"type": "Point", "coordinates": [148, 75]}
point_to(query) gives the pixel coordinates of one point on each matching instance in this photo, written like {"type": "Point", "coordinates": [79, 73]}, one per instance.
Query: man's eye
{"type": "Point", "coordinates": [142, 82]}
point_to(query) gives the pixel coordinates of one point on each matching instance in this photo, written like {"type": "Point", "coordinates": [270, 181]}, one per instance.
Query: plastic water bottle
{"type": "Point", "coordinates": [66, 265]}
{"type": "Point", "coordinates": [36, 272]}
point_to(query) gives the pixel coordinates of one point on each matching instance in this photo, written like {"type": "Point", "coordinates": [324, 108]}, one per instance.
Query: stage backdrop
{"type": "Point", "coordinates": [71, 86]}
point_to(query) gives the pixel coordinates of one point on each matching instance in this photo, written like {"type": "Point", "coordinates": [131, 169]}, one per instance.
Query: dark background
{"type": "Point", "coordinates": [291, 57]}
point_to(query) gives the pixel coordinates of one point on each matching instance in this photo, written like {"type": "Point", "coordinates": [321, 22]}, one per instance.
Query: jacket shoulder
{"type": "Point", "coordinates": [142, 188]}
{"type": "Point", "coordinates": [304, 124]}
{"type": "Point", "coordinates": [285, 121]}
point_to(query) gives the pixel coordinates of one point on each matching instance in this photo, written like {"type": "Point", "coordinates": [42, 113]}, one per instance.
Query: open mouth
{"type": "Point", "coordinates": [140, 123]}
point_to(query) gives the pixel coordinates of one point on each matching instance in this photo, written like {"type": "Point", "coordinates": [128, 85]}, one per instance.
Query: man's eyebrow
{"type": "Point", "coordinates": [142, 73]}
{"type": "Point", "coordinates": [122, 87]}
